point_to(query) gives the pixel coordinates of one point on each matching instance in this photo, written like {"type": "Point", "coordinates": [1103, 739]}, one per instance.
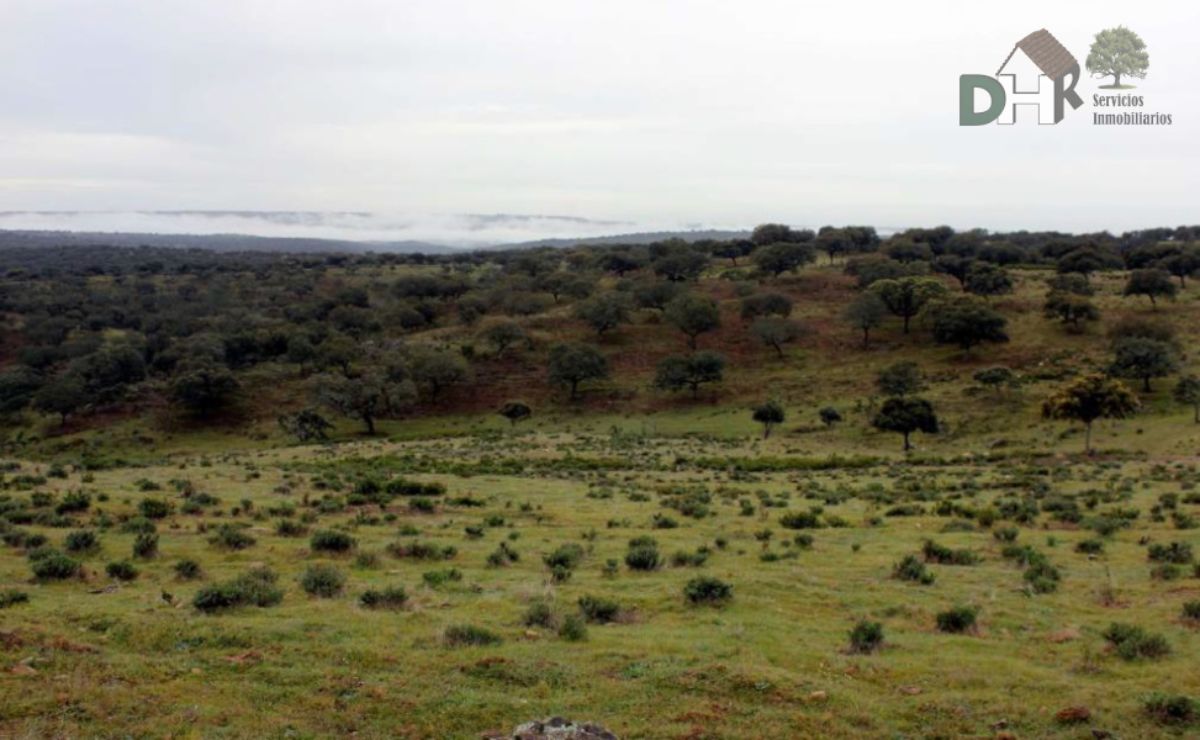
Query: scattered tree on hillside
{"type": "Point", "coordinates": [1088, 398]}
{"type": "Point", "coordinates": [905, 416]}
{"type": "Point", "coordinates": [966, 321]}
{"type": "Point", "coordinates": [678, 372]}
{"type": "Point", "coordinates": [865, 313]}
{"type": "Point", "coordinates": [906, 296]}
{"type": "Point", "coordinates": [900, 379]}
{"type": "Point", "coordinates": [503, 334]}
{"type": "Point", "coordinates": [986, 279]}
{"type": "Point", "coordinates": [63, 396]}
{"type": "Point", "coordinates": [1152, 283]}
{"type": "Point", "coordinates": [306, 425]}
{"type": "Point", "coordinates": [1071, 309]}
{"type": "Point", "coordinates": [769, 414]}
{"type": "Point", "coordinates": [1187, 391]}
{"type": "Point", "coordinates": [364, 397]}
{"type": "Point", "coordinates": [829, 416]}
{"type": "Point", "coordinates": [573, 364]}
{"type": "Point", "coordinates": [203, 388]}
{"type": "Point", "coordinates": [693, 315]}
{"type": "Point", "coordinates": [1183, 264]}
{"type": "Point", "coordinates": [766, 304]}
{"type": "Point", "coordinates": [1140, 358]}
{"type": "Point", "coordinates": [995, 378]}
{"type": "Point", "coordinates": [604, 312]}
{"type": "Point", "coordinates": [436, 369]}
{"type": "Point", "coordinates": [776, 259]}
{"type": "Point", "coordinates": [775, 332]}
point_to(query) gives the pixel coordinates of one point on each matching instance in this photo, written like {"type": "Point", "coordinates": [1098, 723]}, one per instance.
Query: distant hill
{"type": "Point", "coordinates": [214, 242]}
{"type": "Point", "coordinates": [643, 237]}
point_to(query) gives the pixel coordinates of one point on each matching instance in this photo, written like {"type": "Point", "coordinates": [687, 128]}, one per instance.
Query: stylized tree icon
{"type": "Point", "coordinates": [1118, 52]}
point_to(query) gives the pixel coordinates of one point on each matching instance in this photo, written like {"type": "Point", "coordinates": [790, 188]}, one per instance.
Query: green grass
{"type": "Point", "coordinates": [748, 669]}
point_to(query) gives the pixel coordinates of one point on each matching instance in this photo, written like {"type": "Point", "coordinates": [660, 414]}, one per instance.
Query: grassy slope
{"type": "Point", "coordinates": [749, 670]}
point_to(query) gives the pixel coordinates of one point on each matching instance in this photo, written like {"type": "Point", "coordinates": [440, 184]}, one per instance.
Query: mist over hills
{"type": "Point", "coordinates": [329, 231]}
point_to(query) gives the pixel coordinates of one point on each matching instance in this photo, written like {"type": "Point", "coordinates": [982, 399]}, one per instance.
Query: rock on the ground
{"type": "Point", "coordinates": [558, 728]}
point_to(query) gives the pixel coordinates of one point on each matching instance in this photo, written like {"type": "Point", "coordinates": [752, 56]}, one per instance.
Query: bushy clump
{"type": "Point", "coordinates": [73, 502]}
{"type": "Point", "coordinates": [1042, 576]}
{"type": "Point", "coordinates": [1132, 642]}
{"type": "Point", "coordinates": [958, 619]}
{"type": "Point", "coordinates": [322, 580]}
{"type": "Point", "coordinates": [599, 610]}
{"type": "Point", "coordinates": [910, 568]}
{"type": "Point", "coordinates": [469, 635]}
{"type": "Point", "coordinates": [229, 537]}
{"type": "Point", "coordinates": [330, 540]}
{"type": "Point", "coordinates": [1006, 534]}
{"type": "Point", "coordinates": [800, 520]}
{"type": "Point", "coordinates": [255, 587]}
{"type": "Point", "coordinates": [402, 487]}
{"type": "Point", "coordinates": [421, 551]}
{"type": "Point", "coordinates": [435, 578]}
{"type": "Point", "coordinates": [643, 555]}
{"type": "Point", "coordinates": [503, 555]}
{"type": "Point", "coordinates": [81, 541]}
{"type": "Point", "coordinates": [145, 545]}
{"type": "Point", "coordinates": [573, 629]}
{"type": "Point", "coordinates": [866, 637]}
{"type": "Point", "coordinates": [290, 528]}
{"type": "Point", "coordinates": [564, 557]}
{"type": "Point", "coordinates": [1175, 552]}
{"type": "Point", "coordinates": [138, 525]}
{"type": "Point", "coordinates": [1173, 710]}
{"type": "Point", "coordinates": [389, 597]}
{"type": "Point", "coordinates": [155, 508]}
{"type": "Point", "coordinates": [1090, 547]}
{"type": "Point", "coordinates": [12, 597]}
{"type": "Point", "coordinates": [708, 591]}
{"type": "Point", "coordinates": [540, 614]}
{"type": "Point", "coordinates": [121, 570]}
{"type": "Point", "coordinates": [187, 570]}
{"type": "Point", "coordinates": [49, 564]}
{"type": "Point", "coordinates": [1191, 611]}
{"type": "Point", "coordinates": [935, 553]}
{"type": "Point", "coordinates": [683, 558]}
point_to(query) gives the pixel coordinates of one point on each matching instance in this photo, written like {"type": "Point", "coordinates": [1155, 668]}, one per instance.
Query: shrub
{"type": "Point", "coordinates": [51, 565]}
{"type": "Point", "coordinates": [255, 587]}
{"type": "Point", "coordinates": [1172, 710]}
{"type": "Point", "coordinates": [564, 557]}
{"type": "Point", "coordinates": [707, 590]}
{"type": "Point", "coordinates": [1191, 611]}
{"type": "Point", "coordinates": [389, 597]}
{"type": "Point", "coordinates": [1132, 642]}
{"type": "Point", "coordinates": [155, 508]}
{"type": "Point", "coordinates": [643, 557]}
{"type": "Point", "coordinates": [573, 629]}
{"type": "Point", "coordinates": [121, 570]}
{"type": "Point", "coordinates": [935, 553]}
{"type": "Point", "coordinates": [187, 570]}
{"type": "Point", "coordinates": [683, 558]}
{"type": "Point", "coordinates": [800, 520]}
{"type": "Point", "coordinates": [138, 525]}
{"type": "Point", "coordinates": [1176, 552]}
{"type": "Point", "coordinates": [466, 634]}
{"type": "Point", "coordinates": [230, 537]}
{"type": "Point", "coordinates": [540, 614]}
{"type": "Point", "coordinates": [145, 545]}
{"type": "Point", "coordinates": [866, 637]}
{"type": "Point", "coordinates": [322, 580]}
{"type": "Point", "coordinates": [435, 578]}
{"type": "Point", "coordinates": [958, 619]}
{"type": "Point", "coordinates": [1006, 534]}
{"type": "Point", "coordinates": [290, 528]}
{"type": "Point", "coordinates": [421, 551]}
{"type": "Point", "coordinates": [74, 501]}
{"type": "Point", "coordinates": [1041, 576]}
{"type": "Point", "coordinates": [83, 540]}
{"type": "Point", "coordinates": [599, 610]}
{"type": "Point", "coordinates": [329, 540]}
{"type": "Point", "coordinates": [12, 597]}
{"type": "Point", "coordinates": [1090, 547]}
{"type": "Point", "coordinates": [912, 569]}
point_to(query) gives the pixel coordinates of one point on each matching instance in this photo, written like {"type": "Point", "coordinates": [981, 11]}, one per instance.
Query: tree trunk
{"type": "Point", "coordinates": [574, 389]}
{"type": "Point", "coordinates": [1087, 438]}
{"type": "Point", "coordinates": [370, 422]}
{"type": "Point", "coordinates": [766, 431]}
{"type": "Point", "coordinates": [906, 318]}
{"type": "Point", "coordinates": [907, 446]}
{"type": "Point", "coordinates": [778, 350]}
{"type": "Point", "coordinates": [1146, 383]}
{"type": "Point", "coordinates": [866, 337]}
{"type": "Point", "coordinates": [692, 341]}
{"type": "Point", "coordinates": [1196, 411]}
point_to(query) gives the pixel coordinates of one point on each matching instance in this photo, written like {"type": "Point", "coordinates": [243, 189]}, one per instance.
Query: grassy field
{"type": "Point", "coordinates": [95, 656]}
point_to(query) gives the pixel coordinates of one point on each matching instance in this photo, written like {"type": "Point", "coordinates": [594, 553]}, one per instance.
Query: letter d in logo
{"type": "Point", "coordinates": [967, 85]}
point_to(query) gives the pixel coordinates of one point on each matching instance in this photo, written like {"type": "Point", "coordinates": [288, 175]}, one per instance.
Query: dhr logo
{"type": "Point", "coordinates": [1048, 82]}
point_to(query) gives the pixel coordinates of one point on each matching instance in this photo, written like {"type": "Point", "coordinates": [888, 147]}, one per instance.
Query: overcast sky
{"type": "Point", "coordinates": [651, 113]}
